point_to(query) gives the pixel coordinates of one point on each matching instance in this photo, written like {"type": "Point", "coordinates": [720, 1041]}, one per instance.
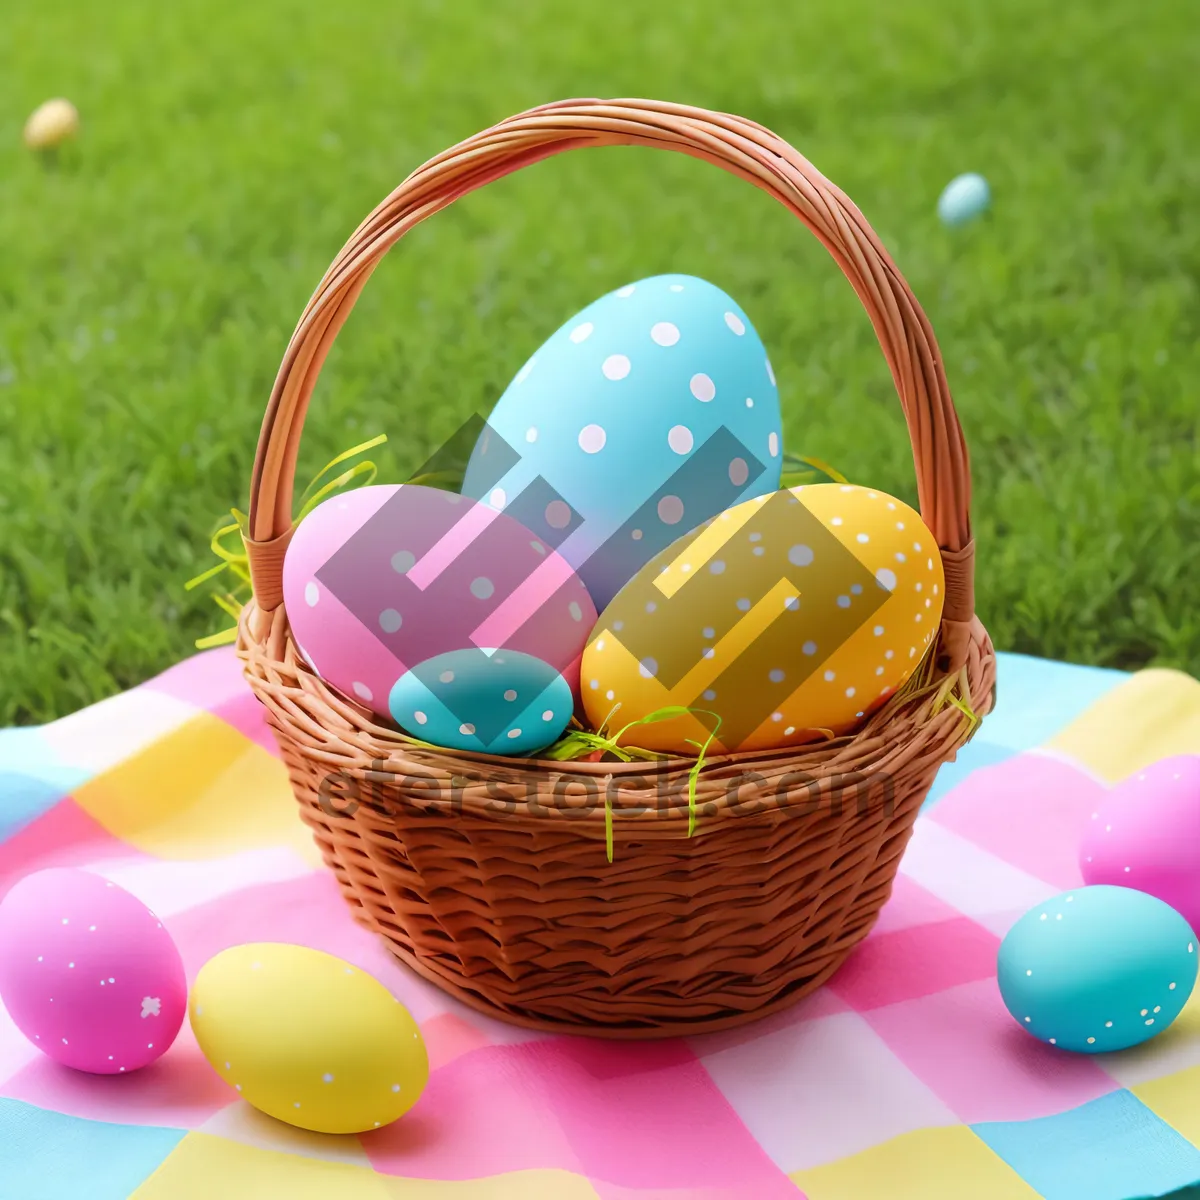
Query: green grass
{"type": "Point", "coordinates": [148, 284]}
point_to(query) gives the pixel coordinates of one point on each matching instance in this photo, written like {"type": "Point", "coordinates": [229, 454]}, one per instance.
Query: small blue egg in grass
{"type": "Point", "coordinates": [1098, 968]}
{"type": "Point", "coordinates": [489, 701]}
{"type": "Point", "coordinates": [964, 198]}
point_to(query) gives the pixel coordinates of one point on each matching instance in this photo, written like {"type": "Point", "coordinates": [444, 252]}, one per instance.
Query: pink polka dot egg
{"type": "Point", "coordinates": [88, 973]}
{"type": "Point", "coordinates": [1145, 834]}
{"type": "Point", "coordinates": [381, 580]}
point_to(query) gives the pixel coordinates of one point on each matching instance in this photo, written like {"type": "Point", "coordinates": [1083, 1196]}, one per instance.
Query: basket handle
{"type": "Point", "coordinates": [743, 148]}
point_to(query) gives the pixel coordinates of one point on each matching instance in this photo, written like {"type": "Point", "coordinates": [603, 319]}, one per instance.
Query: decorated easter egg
{"type": "Point", "coordinates": [88, 973]}
{"type": "Point", "coordinates": [382, 579]}
{"type": "Point", "coordinates": [643, 415]}
{"type": "Point", "coordinates": [1098, 968]}
{"type": "Point", "coordinates": [308, 1038]}
{"type": "Point", "coordinates": [964, 198]}
{"type": "Point", "coordinates": [491, 701]}
{"type": "Point", "coordinates": [798, 611]}
{"type": "Point", "coordinates": [1145, 834]}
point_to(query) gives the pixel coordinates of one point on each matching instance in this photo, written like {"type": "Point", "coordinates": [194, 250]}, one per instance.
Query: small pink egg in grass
{"type": "Point", "coordinates": [1145, 834]}
{"type": "Point", "coordinates": [88, 973]}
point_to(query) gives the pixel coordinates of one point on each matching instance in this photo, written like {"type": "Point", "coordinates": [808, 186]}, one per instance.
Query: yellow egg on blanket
{"type": "Point", "coordinates": [792, 612]}
{"type": "Point", "coordinates": [308, 1038]}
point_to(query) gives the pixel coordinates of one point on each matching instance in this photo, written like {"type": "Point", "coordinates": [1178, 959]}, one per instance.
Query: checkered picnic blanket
{"type": "Point", "coordinates": [903, 1079]}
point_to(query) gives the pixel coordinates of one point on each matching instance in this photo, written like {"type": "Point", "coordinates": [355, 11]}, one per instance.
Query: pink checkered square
{"type": "Point", "coordinates": [892, 967]}
{"type": "Point", "coordinates": [1029, 811]}
{"type": "Point", "coordinates": [966, 1047]}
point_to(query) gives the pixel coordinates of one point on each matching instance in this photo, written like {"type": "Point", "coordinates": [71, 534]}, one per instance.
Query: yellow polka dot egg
{"type": "Point", "coordinates": [797, 611]}
{"type": "Point", "coordinates": [308, 1038]}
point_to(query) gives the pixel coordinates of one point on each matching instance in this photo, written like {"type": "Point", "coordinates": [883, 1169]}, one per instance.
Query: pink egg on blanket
{"type": "Point", "coordinates": [384, 578]}
{"type": "Point", "coordinates": [88, 973]}
{"type": "Point", "coordinates": [1145, 835]}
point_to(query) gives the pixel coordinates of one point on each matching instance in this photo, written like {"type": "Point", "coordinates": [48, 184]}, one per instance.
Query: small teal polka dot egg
{"type": "Point", "coordinates": [965, 197]}
{"type": "Point", "coordinates": [1099, 968]}
{"type": "Point", "coordinates": [645, 414]}
{"type": "Point", "coordinates": [489, 701]}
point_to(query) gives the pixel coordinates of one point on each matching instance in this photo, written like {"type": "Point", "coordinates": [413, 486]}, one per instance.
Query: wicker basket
{"type": "Point", "coordinates": [489, 876]}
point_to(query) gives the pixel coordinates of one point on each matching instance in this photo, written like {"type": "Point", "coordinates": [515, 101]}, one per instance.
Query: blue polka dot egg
{"type": "Point", "coordinates": [1098, 968]}
{"type": "Point", "coordinates": [489, 701]}
{"type": "Point", "coordinates": [650, 411]}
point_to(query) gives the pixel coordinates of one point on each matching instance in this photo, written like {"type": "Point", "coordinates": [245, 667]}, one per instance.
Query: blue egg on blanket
{"type": "Point", "coordinates": [1098, 968]}
{"type": "Point", "coordinates": [650, 411]}
{"type": "Point", "coordinates": [489, 701]}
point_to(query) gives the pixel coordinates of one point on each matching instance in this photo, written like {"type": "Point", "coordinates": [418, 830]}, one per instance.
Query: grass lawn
{"type": "Point", "coordinates": [149, 284]}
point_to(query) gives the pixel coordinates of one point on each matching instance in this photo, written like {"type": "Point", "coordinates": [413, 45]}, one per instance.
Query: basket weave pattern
{"type": "Point", "coordinates": [489, 876]}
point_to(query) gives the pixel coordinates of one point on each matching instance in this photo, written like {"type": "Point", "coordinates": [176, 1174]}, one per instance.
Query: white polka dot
{"type": "Point", "coordinates": [531, 434]}
{"type": "Point", "coordinates": [648, 668]}
{"type": "Point", "coordinates": [773, 444]}
{"type": "Point", "coordinates": [514, 733]}
{"type": "Point", "coordinates": [592, 439]}
{"type": "Point", "coordinates": [917, 547]}
{"type": "Point", "coordinates": [919, 587]}
{"type": "Point", "coordinates": [739, 472]}
{"type": "Point", "coordinates": [636, 535]}
{"type": "Point", "coordinates": [775, 676]}
{"type": "Point", "coordinates": [626, 291]}
{"type": "Point", "coordinates": [362, 691]}
{"type": "Point", "coordinates": [582, 332]}
{"type": "Point", "coordinates": [843, 602]}
{"type": "Point", "coordinates": [878, 670]}
{"type": "Point", "coordinates": [792, 603]}
{"type": "Point", "coordinates": [664, 334]}
{"type": "Point", "coordinates": [311, 594]}
{"type": "Point", "coordinates": [849, 691]}
{"type": "Point", "coordinates": [615, 366]}
{"type": "Point", "coordinates": [447, 676]}
{"type": "Point", "coordinates": [900, 557]}
{"type": "Point", "coordinates": [558, 516]}
{"type": "Point", "coordinates": [326, 1077]}
{"type": "Point", "coordinates": [829, 676]}
{"type": "Point", "coordinates": [680, 439]}
{"type": "Point", "coordinates": [809, 648]}
{"type": "Point", "coordinates": [651, 606]}
{"type": "Point", "coordinates": [800, 556]}
{"type": "Point", "coordinates": [777, 716]}
{"type": "Point", "coordinates": [670, 510]}
{"type": "Point", "coordinates": [498, 498]}
{"type": "Point", "coordinates": [482, 588]}
{"type": "Point", "coordinates": [677, 287]}
{"type": "Point", "coordinates": [709, 632]}
{"type": "Point", "coordinates": [770, 372]}
{"type": "Point", "coordinates": [717, 566]}
{"type": "Point", "coordinates": [863, 538]}
{"type": "Point", "coordinates": [510, 695]}
{"type": "Point", "coordinates": [889, 654]}
{"type": "Point", "coordinates": [735, 323]}
{"type": "Point", "coordinates": [708, 652]}
{"type": "Point", "coordinates": [703, 388]}
{"type": "Point", "coordinates": [467, 728]}
{"type": "Point", "coordinates": [836, 521]}
{"type": "Point", "coordinates": [749, 402]}
{"type": "Point", "coordinates": [756, 537]}
{"type": "Point", "coordinates": [548, 715]}
{"type": "Point", "coordinates": [403, 561]}
{"type": "Point", "coordinates": [743, 605]}
{"type": "Point", "coordinates": [886, 578]}
{"type": "Point", "coordinates": [390, 620]}
{"type": "Point", "coordinates": [1170, 987]}
{"type": "Point", "coordinates": [789, 731]}
{"type": "Point", "coordinates": [594, 684]}
{"type": "Point", "coordinates": [575, 611]}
